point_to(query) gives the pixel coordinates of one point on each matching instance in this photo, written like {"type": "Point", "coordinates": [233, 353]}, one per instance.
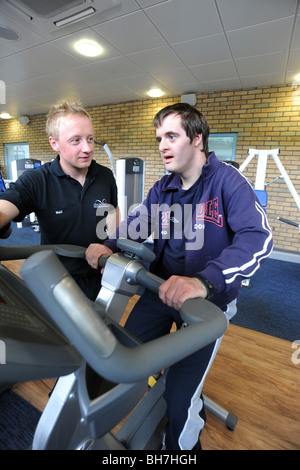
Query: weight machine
{"type": "Point", "coordinates": [260, 180]}
{"type": "Point", "coordinates": [129, 174]}
{"type": "Point", "coordinates": [260, 184]}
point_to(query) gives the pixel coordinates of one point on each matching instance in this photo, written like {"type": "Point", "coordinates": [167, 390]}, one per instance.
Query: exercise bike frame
{"type": "Point", "coordinates": [98, 347]}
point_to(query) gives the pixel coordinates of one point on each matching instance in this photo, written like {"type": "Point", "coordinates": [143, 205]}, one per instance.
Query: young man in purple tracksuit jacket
{"type": "Point", "coordinates": [209, 232]}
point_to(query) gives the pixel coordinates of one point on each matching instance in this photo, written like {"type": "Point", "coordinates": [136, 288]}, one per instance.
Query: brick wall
{"type": "Point", "coordinates": [264, 118]}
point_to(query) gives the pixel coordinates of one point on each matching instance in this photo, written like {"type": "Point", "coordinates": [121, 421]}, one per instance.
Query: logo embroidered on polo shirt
{"type": "Point", "coordinates": [99, 203]}
{"type": "Point", "coordinates": [59, 212]}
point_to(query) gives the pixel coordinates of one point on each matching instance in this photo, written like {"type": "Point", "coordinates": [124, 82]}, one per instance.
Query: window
{"type": "Point", "coordinates": [16, 151]}
{"type": "Point", "coordinates": [224, 145]}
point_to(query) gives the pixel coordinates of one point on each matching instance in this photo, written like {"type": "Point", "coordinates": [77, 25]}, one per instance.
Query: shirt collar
{"type": "Point", "coordinates": [58, 171]}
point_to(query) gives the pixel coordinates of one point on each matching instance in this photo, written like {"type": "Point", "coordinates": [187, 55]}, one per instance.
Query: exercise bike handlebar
{"type": "Point", "coordinates": [21, 252]}
{"type": "Point", "coordinates": [76, 317]}
{"type": "Point", "coordinates": [139, 275]}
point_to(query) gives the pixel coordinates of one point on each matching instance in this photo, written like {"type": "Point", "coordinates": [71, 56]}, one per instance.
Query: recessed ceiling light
{"type": "Point", "coordinates": [88, 48]}
{"type": "Point", "coordinates": [155, 93]}
{"type": "Point", "coordinates": [8, 33]}
{"type": "Point", "coordinates": [297, 77]}
{"type": "Point", "coordinates": [5, 116]}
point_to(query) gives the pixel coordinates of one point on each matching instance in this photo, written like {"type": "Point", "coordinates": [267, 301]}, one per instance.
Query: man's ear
{"type": "Point", "coordinates": [198, 140]}
{"type": "Point", "coordinates": [54, 144]}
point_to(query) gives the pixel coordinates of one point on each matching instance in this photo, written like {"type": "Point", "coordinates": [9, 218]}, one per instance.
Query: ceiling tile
{"type": "Point", "coordinates": [220, 85]}
{"type": "Point", "coordinates": [77, 76]}
{"type": "Point", "coordinates": [203, 50]}
{"type": "Point", "coordinates": [261, 64]}
{"type": "Point", "coordinates": [294, 60]}
{"type": "Point", "coordinates": [50, 57]}
{"type": "Point", "coordinates": [118, 32]}
{"type": "Point", "coordinates": [265, 80]}
{"type": "Point", "coordinates": [29, 88]}
{"type": "Point", "coordinates": [296, 34]}
{"type": "Point", "coordinates": [213, 71]}
{"type": "Point", "coordinates": [5, 50]}
{"type": "Point", "coordinates": [140, 83]}
{"type": "Point", "coordinates": [118, 67]}
{"type": "Point", "coordinates": [20, 67]}
{"type": "Point", "coordinates": [156, 60]}
{"type": "Point", "coordinates": [180, 20]}
{"type": "Point", "coordinates": [177, 77]}
{"type": "Point", "coordinates": [149, 3]}
{"type": "Point", "coordinates": [261, 39]}
{"type": "Point", "coordinates": [187, 88]}
{"type": "Point", "coordinates": [237, 14]}
{"type": "Point", "coordinates": [108, 98]}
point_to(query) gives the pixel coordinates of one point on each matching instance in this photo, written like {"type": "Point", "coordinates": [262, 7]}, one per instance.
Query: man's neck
{"type": "Point", "coordinates": [191, 176]}
{"type": "Point", "coordinates": [78, 174]}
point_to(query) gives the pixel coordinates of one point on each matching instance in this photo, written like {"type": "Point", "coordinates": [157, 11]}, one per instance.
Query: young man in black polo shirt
{"type": "Point", "coordinates": [66, 193]}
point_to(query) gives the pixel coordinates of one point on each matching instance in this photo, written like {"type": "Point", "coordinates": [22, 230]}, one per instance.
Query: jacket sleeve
{"type": "Point", "coordinates": [251, 242]}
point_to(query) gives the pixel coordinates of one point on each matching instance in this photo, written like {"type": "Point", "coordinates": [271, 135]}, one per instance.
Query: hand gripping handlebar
{"type": "Point", "coordinates": [76, 317]}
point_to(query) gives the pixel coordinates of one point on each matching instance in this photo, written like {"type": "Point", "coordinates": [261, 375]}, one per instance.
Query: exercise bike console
{"type": "Point", "coordinates": [34, 347]}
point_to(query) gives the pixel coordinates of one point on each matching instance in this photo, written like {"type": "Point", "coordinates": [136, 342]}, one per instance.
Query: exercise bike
{"type": "Point", "coordinates": [50, 329]}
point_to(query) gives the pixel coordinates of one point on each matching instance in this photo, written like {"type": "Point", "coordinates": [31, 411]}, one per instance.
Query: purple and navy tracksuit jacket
{"type": "Point", "coordinates": [234, 237]}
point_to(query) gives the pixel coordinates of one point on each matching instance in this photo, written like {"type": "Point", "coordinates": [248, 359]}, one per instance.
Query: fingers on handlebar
{"type": "Point", "coordinates": [95, 252]}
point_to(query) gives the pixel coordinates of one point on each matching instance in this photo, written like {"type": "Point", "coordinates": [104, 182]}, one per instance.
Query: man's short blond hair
{"type": "Point", "coordinates": [60, 111]}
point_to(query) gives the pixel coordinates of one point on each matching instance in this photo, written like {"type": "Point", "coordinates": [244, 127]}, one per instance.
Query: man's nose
{"type": "Point", "coordinates": [162, 145]}
{"type": "Point", "coordinates": [87, 146]}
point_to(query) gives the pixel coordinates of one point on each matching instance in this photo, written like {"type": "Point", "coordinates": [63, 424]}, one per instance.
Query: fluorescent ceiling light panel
{"type": "Point", "coordinates": [77, 16]}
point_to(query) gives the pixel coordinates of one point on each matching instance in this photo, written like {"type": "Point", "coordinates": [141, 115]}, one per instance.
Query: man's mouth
{"type": "Point", "coordinates": [85, 157]}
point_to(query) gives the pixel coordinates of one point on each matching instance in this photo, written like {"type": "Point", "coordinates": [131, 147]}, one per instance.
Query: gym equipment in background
{"type": "Point", "coordinates": [260, 184]}
{"type": "Point", "coordinates": [130, 177]}
{"type": "Point", "coordinates": [260, 180]}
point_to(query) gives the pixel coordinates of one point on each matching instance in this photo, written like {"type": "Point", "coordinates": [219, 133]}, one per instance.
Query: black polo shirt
{"type": "Point", "coordinates": [66, 211]}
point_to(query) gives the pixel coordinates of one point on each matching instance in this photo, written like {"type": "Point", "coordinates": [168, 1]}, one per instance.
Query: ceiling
{"type": "Point", "coordinates": [180, 46]}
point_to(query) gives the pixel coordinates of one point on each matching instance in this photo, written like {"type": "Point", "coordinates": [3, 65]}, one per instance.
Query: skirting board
{"type": "Point", "coordinates": [285, 256]}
